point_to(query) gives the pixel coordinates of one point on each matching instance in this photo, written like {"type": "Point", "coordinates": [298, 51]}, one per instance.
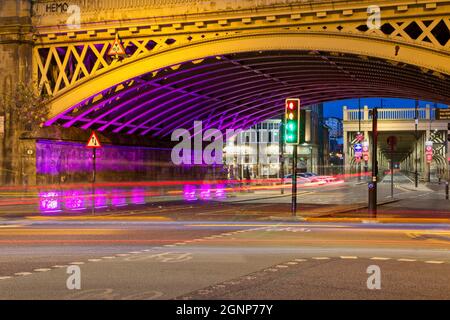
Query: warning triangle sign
{"type": "Point", "coordinates": [93, 141]}
{"type": "Point", "coordinates": [116, 48]}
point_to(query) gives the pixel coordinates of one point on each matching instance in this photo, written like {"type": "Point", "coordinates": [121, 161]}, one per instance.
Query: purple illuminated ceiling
{"type": "Point", "coordinates": [237, 91]}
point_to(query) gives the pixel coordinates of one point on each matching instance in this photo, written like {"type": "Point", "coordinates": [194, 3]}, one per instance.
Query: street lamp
{"type": "Point", "coordinates": [416, 123]}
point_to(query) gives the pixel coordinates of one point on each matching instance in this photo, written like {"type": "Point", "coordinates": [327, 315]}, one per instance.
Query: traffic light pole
{"type": "Point", "coordinates": [373, 182]}
{"type": "Point", "coordinates": [392, 171]}
{"type": "Point", "coordinates": [359, 132]}
{"type": "Point", "coordinates": [416, 123]}
{"type": "Point", "coordinates": [294, 182]}
{"type": "Point", "coordinates": [94, 175]}
{"type": "Point", "coordinates": [281, 136]}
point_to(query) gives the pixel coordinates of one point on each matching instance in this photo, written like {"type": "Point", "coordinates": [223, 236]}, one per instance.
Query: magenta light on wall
{"type": "Point", "coordinates": [101, 198]}
{"type": "Point", "coordinates": [50, 201]}
{"type": "Point", "coordinates": [189, 193]}
{"type": "Point", "coordinates": [138, 196]}
{"type": "Point", "coordinates": [74, 200]}
{"type": "Point", "coordinates": [220, 192]}
{"type": "Point", "coordinates": [118, 198]}
{"type": "Point", "coordinates": [205, 192]}
{"type": "Point", "coordinates": [62, 157]}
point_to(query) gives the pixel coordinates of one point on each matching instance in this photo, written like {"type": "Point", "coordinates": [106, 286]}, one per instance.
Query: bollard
{"type": "Point", "coordinates": [446, 190]}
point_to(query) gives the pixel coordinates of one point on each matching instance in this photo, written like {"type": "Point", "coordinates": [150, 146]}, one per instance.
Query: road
{"type": "Point", "coordinates": [239, 248]}
{"type": "Point", "coordinates": [121, 259]}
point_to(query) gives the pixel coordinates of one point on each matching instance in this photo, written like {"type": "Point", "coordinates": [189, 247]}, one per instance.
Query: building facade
{"type": "Point", "coordinates": [257, 152]}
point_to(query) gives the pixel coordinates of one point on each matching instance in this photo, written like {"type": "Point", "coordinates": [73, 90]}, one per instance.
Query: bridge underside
{"type": "Point", "coordinates": [239, 90]}
{"type": "Point", "coordinates": [405, 144]}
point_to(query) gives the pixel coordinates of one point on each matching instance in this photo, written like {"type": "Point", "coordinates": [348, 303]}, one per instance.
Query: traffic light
{"type": "Point", "coordinates": [294, 123]}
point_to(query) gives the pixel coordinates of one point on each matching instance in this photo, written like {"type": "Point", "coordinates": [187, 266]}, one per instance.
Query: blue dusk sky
{"type": "Point", "coordinates": [334, 109]}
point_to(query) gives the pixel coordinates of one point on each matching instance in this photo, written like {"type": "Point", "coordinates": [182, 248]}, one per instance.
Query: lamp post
{"type": "Point", "coordinates": [281, 161]}
{"type": "Point", "coordinates": [373, 182]}
{"type": "Point", "coordinates": [359, 132]}
{"type": "Point", "coordinates": [416, 123]}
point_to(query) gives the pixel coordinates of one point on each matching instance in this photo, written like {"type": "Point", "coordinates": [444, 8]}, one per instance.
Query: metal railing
{"type": "Point", "coordinates": [390, 114]}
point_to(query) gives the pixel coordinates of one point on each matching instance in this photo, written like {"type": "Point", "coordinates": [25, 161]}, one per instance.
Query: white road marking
{"type": "Point", "coordinates": [349, 257]}
{"type": "Point", "coordinates": [94, 260]}
{"type": "Point", "coordinates": [406, 260]}
{"type": "Point", "coordinates": [123, 254]}
{"type": "Point", "coordinates": [434, 262]}
{"type": "Point", "coordinates": [5, 278]}
{"type": "Point", "coordinates": [77, 263]}
{"type": "Point", "coordinates": [134, 252]}
{"type": "Point", "coordinates": [379, 258]}
{"type": "Point", "coordinates": [300, 260]}
{"type": "Point", "coordinates": [42, 270]}
{"type": "Point", "coordinates": [281, 266]}
{"type": "Point", "coordinates": [272, 270]}
{"type": "Point", "coordinates": [321, 258]}
{"type": "Point", "coordinates": [22, 273]}
{"type": "Point", "coordinates": [292, 263]}
{"type": "Point", "coordinates": [59, 266]}
{"type": "Point", "coordinates": [108, 257]}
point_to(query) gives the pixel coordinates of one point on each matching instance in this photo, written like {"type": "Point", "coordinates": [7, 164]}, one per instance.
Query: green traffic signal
{"type": "Point", "coordinates": [291, 126]}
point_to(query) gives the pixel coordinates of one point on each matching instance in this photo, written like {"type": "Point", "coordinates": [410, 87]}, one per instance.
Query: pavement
{"type": "Point", "coordinates": [339, 202]}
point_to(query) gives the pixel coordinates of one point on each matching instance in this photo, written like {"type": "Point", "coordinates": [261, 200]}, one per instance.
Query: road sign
{"type": "Point", "coordinates": [116, 48]}
{"type": "Point", "coordinates": [93, 141]}
{"type": "Point", "coordinates": [365, 151]}
{"type": "Point", "coordinates": [442, 114]}
{"type": "Point", "coordinates": [365, 147]}
{"type": "Point", "coordinates": [359, 137]}
{"type": "Point", "coordinates": [358, 149]}
{"type": "Point", "coordinates": [429, 151]}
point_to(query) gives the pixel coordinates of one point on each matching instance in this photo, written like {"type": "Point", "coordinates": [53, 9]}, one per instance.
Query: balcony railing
{"type": "Point", "coordinates": [390, 114]}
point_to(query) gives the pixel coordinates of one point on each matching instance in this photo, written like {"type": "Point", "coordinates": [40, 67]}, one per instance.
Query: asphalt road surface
{"type": "Point", "coordinates": [147, 259]}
